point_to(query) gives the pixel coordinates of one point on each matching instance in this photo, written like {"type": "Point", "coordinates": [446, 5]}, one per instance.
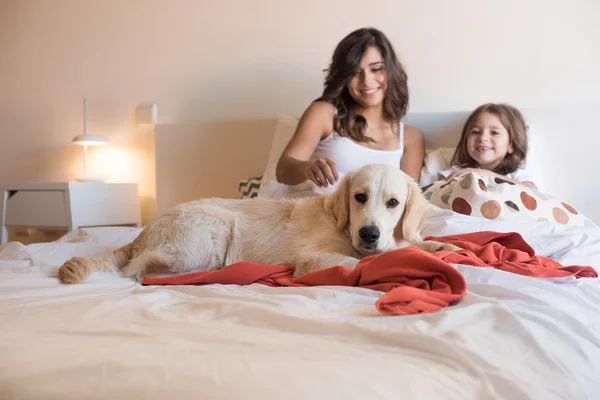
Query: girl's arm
{"type": "Point", "coordinates": [414, 152]}
{"type": "Point", "coordinates": [485, 172]}
{"type": "Point", "coordinates": [294, 166]}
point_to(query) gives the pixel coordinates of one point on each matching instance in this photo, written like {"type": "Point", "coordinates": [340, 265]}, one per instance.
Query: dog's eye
{"type": "Point", "coordinates": [392, 203]}
{"type": "Point", "coordinates": [361, 198]}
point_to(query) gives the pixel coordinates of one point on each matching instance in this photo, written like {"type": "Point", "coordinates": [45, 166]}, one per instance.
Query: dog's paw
{"type": "Point", "coordinates": [74, 270]}
{"type": "Point", "coordinates": [447, 247]}
{"type": "Point", "coordinates": [431, 246]}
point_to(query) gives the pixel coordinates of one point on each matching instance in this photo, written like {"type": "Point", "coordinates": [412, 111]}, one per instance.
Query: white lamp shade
{"type": "Point", "coordinates": [90, 140]}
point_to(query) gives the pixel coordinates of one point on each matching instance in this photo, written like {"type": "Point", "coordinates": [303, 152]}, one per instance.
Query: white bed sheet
{"type": "Point", "coordinates": [511, 337]}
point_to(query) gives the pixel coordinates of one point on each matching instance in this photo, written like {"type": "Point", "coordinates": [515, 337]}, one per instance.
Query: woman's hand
{"type": "Point", "coordinates": [323, 172]}
{"type": "Point", "coordinates": [294, 165]}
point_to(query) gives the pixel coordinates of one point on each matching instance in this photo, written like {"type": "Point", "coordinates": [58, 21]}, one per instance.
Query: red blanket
{"type": "Point", "coordinates": [507, 252]}
{"type": "Point", "coordinates": [413, 280]}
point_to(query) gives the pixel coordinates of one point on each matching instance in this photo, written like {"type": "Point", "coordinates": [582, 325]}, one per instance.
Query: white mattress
{"type": "Point", "coordinates": [511, 337]}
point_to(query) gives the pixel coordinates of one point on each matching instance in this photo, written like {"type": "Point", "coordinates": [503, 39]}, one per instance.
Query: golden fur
{"type": "Point", "coordinates": [307, 234]}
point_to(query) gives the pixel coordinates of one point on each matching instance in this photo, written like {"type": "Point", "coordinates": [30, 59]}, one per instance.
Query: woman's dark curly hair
{"type": "Point", "coordinates": [344, 64]}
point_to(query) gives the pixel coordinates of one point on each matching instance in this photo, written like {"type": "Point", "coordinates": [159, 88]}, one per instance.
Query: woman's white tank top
{"type": "Point", "coordinates": [349, 155]}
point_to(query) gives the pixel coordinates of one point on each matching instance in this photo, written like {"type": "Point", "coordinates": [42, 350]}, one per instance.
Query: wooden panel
{"type": "Point", "coordinates": [208, 159]}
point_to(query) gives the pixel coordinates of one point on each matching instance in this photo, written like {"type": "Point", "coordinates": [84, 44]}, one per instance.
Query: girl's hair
{"type": "Point", "coordinates": [344, 64]}
{"type": "Point", "coordinates": [513, 121]}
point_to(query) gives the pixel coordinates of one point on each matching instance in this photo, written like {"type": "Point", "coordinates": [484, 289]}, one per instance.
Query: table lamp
{"type": "Point", "coordinates": [86, 140]}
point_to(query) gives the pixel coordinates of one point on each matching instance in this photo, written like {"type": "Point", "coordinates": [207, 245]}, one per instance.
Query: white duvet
{"type": "Point", "coordinates": [511, 337]}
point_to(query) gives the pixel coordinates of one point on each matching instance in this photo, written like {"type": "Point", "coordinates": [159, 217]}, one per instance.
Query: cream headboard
{"type": "Point", "coordinates": [208, 159]}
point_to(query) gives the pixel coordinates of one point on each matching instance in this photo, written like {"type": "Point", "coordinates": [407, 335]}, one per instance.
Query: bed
{"type": "Point", "coordinates": [510, 337]}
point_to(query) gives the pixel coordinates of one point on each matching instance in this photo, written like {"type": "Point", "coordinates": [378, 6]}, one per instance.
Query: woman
{"type": "Point", "coordinates": [357, 120]}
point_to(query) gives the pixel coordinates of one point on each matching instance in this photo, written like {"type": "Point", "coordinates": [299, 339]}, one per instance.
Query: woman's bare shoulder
{"type": "Point", "coordinates": [318, 117]}
{"type": "Point", "coordinates": [412, 132]}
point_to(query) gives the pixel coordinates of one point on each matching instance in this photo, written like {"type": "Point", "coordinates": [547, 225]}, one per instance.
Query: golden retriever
{"type": "Point", "coordinates": [374, 209]}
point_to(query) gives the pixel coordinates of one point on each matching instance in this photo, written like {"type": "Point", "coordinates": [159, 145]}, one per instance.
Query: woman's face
{"type": "Point", "coordinates": [369, 83]}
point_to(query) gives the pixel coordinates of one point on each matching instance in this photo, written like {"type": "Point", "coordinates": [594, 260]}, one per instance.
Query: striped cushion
{"type": "Point", "coordinates": [249, 188]}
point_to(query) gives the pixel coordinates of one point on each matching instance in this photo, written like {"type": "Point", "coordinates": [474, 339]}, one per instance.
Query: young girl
{"type": "Point", "coordinates": [357, 120]}
{"type": "Point", "coordinates": [493, 142]}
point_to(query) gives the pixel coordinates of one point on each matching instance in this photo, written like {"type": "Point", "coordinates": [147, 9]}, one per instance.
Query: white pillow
{"type": "Point", "coordinates": [269, 187]}
{"type": "Point", "coordinates": [534, 153]}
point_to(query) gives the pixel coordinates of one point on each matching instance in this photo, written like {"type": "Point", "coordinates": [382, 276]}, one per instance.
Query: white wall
{"type": "Point", "coordinates": [236, 59]}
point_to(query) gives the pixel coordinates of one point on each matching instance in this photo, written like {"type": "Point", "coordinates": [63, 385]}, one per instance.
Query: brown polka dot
{"type": "Point", "coordinates": [461, 206]}
{"type": "Point", "coordinates": [511, 205]}
{"type": "Point", "coordinates": [446, 198]}
{"type": "Point", "coordinates": [490, 209]}
{"type": "Point", "coordinates": [570, 209]}
{"type": "Point", "coordinates": [500, 180]}
{"type": "Point", "coordinates": [560, 216]}
{"type": "Point", "coordinates": [482, 185]}
{"type": "Point", "coordinates": [467, 181]}
{"type": "Point", "coordinates": [529, 202]}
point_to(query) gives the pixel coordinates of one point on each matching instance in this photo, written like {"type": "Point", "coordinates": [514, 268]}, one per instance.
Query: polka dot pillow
{"type": "Point", "coordinates": [495, 198]}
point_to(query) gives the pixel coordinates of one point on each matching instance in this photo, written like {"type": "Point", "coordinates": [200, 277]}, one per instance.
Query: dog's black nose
{"type": "Point", "coordinates": [369, 234]}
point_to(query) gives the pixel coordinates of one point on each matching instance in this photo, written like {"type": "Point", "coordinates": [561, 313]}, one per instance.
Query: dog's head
{"type": "Point", "coordinates": [380, 206]}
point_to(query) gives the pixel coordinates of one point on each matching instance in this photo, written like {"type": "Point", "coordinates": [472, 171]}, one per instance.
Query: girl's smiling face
{"type": "Point", "coordinates": [488, 141]}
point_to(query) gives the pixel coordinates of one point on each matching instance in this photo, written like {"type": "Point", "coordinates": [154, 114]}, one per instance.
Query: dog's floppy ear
{"type": "Point", "coordinates": [415, 214]}
{"type": "Point", "coordinates": [337, 203]}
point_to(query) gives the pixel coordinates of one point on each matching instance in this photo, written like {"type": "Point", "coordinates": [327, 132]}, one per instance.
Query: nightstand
{"type": "Point", "coordinates": [68, 205]}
